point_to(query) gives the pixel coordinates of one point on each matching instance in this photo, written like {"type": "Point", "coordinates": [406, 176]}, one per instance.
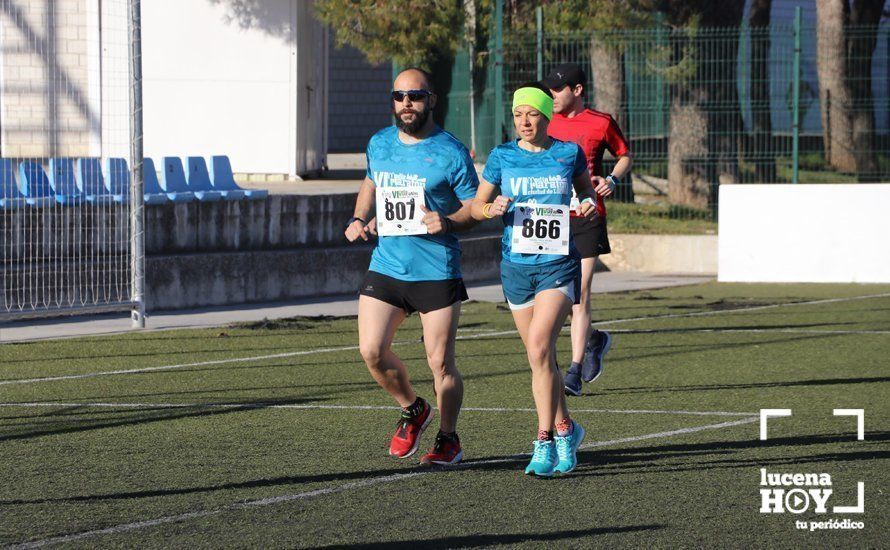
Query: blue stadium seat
{"type": "Point", "coordinates": [62, 182]}
{"type": "Point", "coordinates": [153, 186]}
{"type": "Point", "coordinates": [10, 196]}
{"type": "Point", "coordinates": [223, 179]}
{"type": "Point", "coordinates": [173, 181]}
{"type": "Point", "coordinates": [88, 176]}
{"type": "Point", "coordinates": [35, 185]}
{"type": "Point", "coordinates": [199, 179]}
{"type": "Point", "coordinates": [117, 181]}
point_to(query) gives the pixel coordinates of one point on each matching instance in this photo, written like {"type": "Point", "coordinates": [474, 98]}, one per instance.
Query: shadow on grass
{"type": "Point", "coordinates": [651, 459]}
{"type": "Point", "coordinates": [592, 463]}
{"type": "Point", "coordinates": [249, 484]}
{"type": "Point", "coordinates": [147, 416]}
{"type": "Point", "coordinates": [756, 385]}
{"type": "Point", "coordinates": [495, 539]}
{"type": "Point", "coordinates": [488, 464]}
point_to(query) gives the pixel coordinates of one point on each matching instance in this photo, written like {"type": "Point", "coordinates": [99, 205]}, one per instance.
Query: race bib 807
{"type": "Point", "coordinates": [399, 211]}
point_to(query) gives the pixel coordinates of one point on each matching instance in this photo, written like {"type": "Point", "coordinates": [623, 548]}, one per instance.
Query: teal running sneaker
{"type": "Point", "coordinates": [567, 449]}
{"type": "Point", "coordinates": [544, 459]}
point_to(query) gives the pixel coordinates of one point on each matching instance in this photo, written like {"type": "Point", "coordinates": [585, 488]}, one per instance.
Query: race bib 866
{"type": "Point", "coordinates": [540, 229]}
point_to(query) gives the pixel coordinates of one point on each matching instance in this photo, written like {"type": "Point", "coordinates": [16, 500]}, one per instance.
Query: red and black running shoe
{"type": "Point", "coordinates": [407, 437]}
{"type": "Point", "coordinates": [446, 451]}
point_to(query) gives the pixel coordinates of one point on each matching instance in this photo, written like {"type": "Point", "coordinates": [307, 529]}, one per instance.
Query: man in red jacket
{"type": "Point", "coordinates": [594, 132]}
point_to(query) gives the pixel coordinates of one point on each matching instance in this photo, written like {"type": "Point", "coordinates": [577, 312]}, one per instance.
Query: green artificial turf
{"type": "Point", "coordinates": [67, 470]}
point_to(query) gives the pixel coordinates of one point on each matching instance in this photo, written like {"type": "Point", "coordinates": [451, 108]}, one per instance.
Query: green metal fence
{"type": "Point", "coordinates": [701, 106]}
{"type": "Point", "coordinates": [708, 106]}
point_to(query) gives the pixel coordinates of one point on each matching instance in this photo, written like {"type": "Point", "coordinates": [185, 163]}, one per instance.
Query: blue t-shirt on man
{"type": "Point", "coordinates": [443, 167]}
{"type": "Point", "coordinates": [544, 178]}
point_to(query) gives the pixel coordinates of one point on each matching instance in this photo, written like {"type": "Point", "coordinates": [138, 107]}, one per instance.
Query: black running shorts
{"type": "Point", "coordinates": [422, 296]}
{"type": "Point", "coordinates": [591, 237]}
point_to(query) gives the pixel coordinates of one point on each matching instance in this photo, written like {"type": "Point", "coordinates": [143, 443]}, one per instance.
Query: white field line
{"type": "Point", "coordinates": [173, 367]}
{"type": "Point", "coordinates": [124, 527]}
{"type": "Point", "coordinates": [758, 330]}
{"type": "Point", "coordinates": [670, 433]}
{"type": "Point", "coordinates": [50, 404]}
{"type": "Point", "coordinates": [142, 370]}
{"type": "Point", "coordinates": [743, 309]}
{"type": "Point", "coordinates": [465, 337]}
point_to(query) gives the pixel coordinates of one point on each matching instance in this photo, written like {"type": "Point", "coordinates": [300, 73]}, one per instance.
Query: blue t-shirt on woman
{"type": "Point", "coordinates": [543, 178]}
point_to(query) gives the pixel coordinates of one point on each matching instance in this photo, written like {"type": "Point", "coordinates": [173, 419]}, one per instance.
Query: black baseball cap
{"type": "Point", "coordinates": [567, 74]}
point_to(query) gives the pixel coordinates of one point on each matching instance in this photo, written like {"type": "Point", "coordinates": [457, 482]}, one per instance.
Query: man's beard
{"type": "Point", "coordinates": [415, 125]}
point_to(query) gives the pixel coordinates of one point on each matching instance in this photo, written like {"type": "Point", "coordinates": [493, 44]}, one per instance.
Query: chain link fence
{"type": "Point", "coordinates": [66, 123]}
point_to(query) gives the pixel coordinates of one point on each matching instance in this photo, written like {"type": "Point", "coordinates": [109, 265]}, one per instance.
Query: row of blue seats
{"type": "Point", "coordinates": [73, 181]}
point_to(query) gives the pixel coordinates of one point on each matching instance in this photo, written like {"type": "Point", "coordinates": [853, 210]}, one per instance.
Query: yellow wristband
{"type": "Point", "coordinates": [486, 210]}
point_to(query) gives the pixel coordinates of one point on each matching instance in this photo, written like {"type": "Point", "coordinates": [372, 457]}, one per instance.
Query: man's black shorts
{"type": "Point", "coordinates": [422, 296]}
{"type": "Point", "coordinates": [591, 236]}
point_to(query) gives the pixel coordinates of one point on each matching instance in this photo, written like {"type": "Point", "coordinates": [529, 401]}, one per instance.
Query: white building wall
{"type": "Point", "coordinates": [804, 233]}
{"type": "Point", "coordinates": [234, 78]}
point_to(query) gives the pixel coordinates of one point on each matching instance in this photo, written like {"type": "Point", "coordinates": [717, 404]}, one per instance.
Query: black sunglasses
{"type": "Point", "coordinates": [413, 95]}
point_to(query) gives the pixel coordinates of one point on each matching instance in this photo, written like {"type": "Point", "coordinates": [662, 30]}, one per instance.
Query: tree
{"type": "Point", "coordinates": [846, 40]}
{"type": "Point", "coordinates": [389, 30]}
{"type": "Point", "coordinates": [604, 20]}
{"type": "Point", "coordinates": [765, 162]}
{"type": "Point", "coordinates": [705, 119]}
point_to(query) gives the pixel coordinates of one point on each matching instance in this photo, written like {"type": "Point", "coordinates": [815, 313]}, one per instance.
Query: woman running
{"type": "Point", "coordinates": [529, 182]}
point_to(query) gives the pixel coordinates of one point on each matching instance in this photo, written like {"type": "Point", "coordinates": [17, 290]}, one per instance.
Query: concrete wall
{"type": "Point", "coordinates": [292, 246]}
{"type": "Point", "coordinates": [194, 280]}
{"type": "Point", "coordinates": [280, 221]}
{"type": "Point", "coordinates": [804, 233]}
{"type": "Point", "coordinates": [690, 254]}
{"type": "Point", "coordinates": [282, 248]}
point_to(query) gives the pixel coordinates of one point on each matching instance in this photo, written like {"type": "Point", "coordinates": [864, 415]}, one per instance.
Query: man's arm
{"type": "Point", "coordinates": [461, 220]}
{"type": "Point", "coordinates": [464, 180]}
{"type": "Point", "coordinates": [619, 147]}
{"type": "Point", "coordinates": [623, 166]}
{"type": "Point", "coordinates": [364, 208]}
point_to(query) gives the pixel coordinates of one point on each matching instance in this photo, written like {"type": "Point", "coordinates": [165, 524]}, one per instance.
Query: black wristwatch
{"type": "Point", "coordinates": [353, 219]}
{"type": "Point", "coordinates": [613, 181]}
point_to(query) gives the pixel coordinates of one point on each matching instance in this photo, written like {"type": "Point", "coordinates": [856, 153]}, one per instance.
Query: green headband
{"type": "Point", "coordinates": [533, 97]}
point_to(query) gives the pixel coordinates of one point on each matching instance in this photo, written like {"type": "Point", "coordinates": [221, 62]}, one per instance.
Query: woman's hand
{"type": "Point", "coordinates": [499, 206]}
